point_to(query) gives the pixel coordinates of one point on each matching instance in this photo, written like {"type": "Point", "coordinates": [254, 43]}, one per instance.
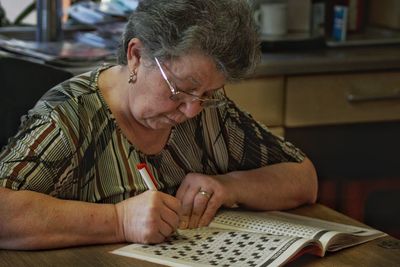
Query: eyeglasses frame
{"type": "Point", "coordinates": [205, 101]}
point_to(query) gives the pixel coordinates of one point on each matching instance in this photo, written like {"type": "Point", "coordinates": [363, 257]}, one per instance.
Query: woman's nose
{"type": "Point", "coordinates": [190, 108]}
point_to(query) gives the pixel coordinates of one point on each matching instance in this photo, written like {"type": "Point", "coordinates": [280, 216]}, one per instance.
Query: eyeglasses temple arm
{"type": "Point", "coordinates": [165, 76]}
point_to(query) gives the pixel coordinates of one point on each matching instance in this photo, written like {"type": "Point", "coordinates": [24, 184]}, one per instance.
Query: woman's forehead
{"type": "Point", "coordinates": [194, 68]}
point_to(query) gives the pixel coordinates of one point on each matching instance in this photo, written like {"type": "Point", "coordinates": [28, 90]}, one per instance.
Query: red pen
{"type": "Point", "coordinates": [147, 177]}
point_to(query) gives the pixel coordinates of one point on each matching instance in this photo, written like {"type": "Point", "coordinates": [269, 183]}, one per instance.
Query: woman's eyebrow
{"type": "Point", "coordinates": [193, 81]}
{"type": "Point", "coordinates": [190, 78]}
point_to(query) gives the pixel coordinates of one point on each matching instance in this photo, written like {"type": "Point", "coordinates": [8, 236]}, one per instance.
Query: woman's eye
{"type": "Point", "coordinates": [188, 91]}
{"type": "Point", "coordinates": [191, 91]}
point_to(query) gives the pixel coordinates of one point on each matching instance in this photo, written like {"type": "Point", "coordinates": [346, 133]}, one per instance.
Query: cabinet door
{"type": "Point", "coordinates": [263, 98]}
{"type": "Point", "coordinates": [342, 98]}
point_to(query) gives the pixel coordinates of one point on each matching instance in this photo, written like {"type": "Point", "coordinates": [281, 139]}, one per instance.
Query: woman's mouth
{"type": "Point", "coordinates": [171, 121]}
{"type": "Point", "coordinates": [176, 120]}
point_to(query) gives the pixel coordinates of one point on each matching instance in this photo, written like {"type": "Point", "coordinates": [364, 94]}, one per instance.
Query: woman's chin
{"type": "Point", "coordinates": [161, 124]}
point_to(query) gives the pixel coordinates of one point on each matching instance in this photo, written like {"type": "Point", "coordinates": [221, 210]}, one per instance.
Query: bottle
{"type": "Point", "coordinates": [49, 20]}
{"type": "Point", "coordinates": [340, 17]}
{"type": "Point", "coordinates": [318, 17]}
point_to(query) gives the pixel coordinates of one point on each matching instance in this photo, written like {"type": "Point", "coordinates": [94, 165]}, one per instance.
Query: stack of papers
{"type": "Point", "coordinates": [66, 53]}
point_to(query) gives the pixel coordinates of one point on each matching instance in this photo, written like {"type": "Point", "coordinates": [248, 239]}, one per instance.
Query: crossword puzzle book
{"type": "Point", "coordinates": [241, 238]}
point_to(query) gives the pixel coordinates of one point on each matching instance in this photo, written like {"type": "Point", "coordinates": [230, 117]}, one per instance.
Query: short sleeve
{"type": "Point", "coordinates": [36, 157]}
{"type": "Point", "coordinates": [241, 143]}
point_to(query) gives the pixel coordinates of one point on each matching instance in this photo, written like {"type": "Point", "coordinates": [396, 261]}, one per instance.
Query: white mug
{"type": "Point", "coordinates": [272, 18]}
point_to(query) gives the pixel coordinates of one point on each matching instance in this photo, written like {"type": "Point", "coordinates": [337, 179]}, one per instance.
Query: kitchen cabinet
{"type": "Point", "coordinates": [348, 123]}
{"type": "Point", "coordinates": [342, 98]}
{"type": "Point", "coordinates": [263, 98]}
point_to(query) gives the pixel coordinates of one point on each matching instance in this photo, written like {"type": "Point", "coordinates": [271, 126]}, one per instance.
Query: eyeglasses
{"type": "Point", "coordinates": [213, 101]}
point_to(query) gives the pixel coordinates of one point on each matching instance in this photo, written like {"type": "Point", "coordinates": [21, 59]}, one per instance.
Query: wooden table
{"type": "Point", "coordinates": [368, 254]}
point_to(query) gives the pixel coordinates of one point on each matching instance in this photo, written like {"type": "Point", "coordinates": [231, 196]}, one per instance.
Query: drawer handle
{"type": "Point", "coordinates": [360, 97]}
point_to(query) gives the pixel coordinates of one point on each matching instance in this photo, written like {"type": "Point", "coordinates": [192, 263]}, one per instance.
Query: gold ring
{"type": "Point", "coordinates": [205, 193]}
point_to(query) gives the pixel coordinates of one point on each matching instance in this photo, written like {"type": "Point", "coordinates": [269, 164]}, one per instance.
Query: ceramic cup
{"type": "Point", "coordinates": [272, 18]}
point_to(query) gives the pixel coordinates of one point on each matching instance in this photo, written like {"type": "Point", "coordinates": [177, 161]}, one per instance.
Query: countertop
{"type": "Point", "coordinates": [326, 60]}
{"type": "Point", "coordinates": [301, 61]}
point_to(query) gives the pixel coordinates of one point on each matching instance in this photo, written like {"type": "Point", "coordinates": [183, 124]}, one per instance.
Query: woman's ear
{"type": "Point", "coordinates": [133, 53]}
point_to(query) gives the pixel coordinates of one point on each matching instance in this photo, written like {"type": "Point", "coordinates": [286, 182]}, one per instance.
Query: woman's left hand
{"type": "Point", "coordinates": [201, 196]}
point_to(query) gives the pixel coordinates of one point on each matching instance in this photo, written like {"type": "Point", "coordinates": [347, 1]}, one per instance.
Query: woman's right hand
{"type": "Point", "coordinates": [148, 218]}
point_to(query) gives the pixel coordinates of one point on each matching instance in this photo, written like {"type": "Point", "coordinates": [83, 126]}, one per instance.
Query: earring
{"type": "Point", "coordinates": [132, 77]}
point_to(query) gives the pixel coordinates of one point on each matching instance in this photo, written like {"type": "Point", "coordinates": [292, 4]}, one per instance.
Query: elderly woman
{"type": "Point", "coordinates": [69, 176]}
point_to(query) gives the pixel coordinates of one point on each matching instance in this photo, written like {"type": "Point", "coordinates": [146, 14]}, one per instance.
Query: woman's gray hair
{"type": "Point", "coordinates": [222, 29]}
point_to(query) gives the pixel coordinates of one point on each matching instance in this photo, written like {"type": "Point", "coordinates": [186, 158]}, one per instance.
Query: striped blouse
{"type": "Point", "coordinates": [69, 146]}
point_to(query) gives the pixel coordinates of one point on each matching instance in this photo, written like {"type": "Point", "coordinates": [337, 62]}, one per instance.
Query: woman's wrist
{"type": "Point", "coordinates": [232, 189]}
{"type": "Point", "coordinates": [119, 225]}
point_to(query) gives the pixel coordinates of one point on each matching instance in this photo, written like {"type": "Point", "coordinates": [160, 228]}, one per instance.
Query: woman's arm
{"type": "Point", "coordinates": [273, 187]}
{"type": "Point", "coordinates": [31, 220]}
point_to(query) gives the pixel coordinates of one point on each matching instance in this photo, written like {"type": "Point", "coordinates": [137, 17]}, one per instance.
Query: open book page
{"type": "Point", "coordinates": [243, 238]}
{"type": "Point", "coordinates": [336, 235]}
{"type": "Point", "coordinates": [209, 246]}
{"type": "Point", "coordinates": [333, 236]}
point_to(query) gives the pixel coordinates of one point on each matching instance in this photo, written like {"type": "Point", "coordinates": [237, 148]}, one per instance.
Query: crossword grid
{"type": "Point", "coordinates": [216, 247]}
{"type": "Point", "coordinates": [260, 225]}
